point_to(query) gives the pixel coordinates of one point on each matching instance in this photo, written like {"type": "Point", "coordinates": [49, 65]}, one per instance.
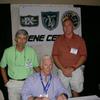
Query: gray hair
{"type": "Point", "coordinates": [46, 57]}
{"type": "Point", "coordinates": [21, 31]}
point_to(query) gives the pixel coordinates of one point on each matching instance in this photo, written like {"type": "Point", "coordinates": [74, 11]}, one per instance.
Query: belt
{"type": "Point", "coordinates": [17, 79]}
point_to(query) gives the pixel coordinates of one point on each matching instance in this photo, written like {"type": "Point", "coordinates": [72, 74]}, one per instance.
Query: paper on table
{"type": "Point", "coordinates": [93, 97]}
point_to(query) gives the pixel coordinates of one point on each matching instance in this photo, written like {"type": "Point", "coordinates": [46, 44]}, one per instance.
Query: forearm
{"type": "Point", "coordinates": [57, 62]}
{"type": "Point", "coordinates": [79, 62]}
{"type": "Point", "coordinates": [32, 98]}
{"type": "Point", "coordinates": [37, 98]}
{"type": "Point", "coordinates": [4, 75]}
{"type": "Point", "coordinates": [63, 96]}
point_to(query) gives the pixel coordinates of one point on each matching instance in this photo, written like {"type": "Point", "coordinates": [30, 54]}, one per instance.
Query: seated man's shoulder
{"type": "Point", "coordinates": [55, 77]}
{"type": "Point", "coordinates": [34, 76]}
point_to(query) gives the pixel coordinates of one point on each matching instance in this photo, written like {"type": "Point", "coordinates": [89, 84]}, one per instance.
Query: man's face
{"type": "Point", "coordinates": [68, 27]}
{"type": "Point", "coordinates": [21, 40]}
{"type": "Point", "coordinates": [46, 66]}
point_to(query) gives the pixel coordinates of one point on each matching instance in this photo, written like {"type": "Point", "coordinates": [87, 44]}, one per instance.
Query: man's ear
{"type": "Point", "coordinates": [15, 39]}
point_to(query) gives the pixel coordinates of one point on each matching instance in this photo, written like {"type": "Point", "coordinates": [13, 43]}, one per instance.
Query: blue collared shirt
{"type": "Point", "coordinates": [34, 87]}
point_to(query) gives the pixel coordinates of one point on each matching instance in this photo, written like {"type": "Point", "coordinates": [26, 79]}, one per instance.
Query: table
{"type": "Point", "coordinates": [92, 97]}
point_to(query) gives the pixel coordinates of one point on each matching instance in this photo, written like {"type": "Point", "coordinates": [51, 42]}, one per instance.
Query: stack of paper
{"type": "Point", "coordinates": [93, 97]}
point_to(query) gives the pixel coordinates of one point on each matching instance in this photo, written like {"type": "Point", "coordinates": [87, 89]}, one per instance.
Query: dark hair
{"type": "Point", "coordinates": [21, 31]}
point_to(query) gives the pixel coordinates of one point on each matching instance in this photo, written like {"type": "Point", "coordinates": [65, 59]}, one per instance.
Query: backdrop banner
{"type": "Point", "coordinates": [44, 23]}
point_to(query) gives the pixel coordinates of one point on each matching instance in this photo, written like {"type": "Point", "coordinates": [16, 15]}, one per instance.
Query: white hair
{"type": "Point", "coordinates": [46, 57]}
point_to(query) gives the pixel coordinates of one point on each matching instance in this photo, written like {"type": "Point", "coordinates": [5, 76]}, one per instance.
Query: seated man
{"type": "Point", "coordinates": [44, 85]}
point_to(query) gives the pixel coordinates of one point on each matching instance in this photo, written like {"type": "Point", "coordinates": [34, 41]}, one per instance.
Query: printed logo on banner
{"type": "Point", "coordinates": [74, 16]}
{"type": "Point", "coordinates": [50, 20]}
{"type": "Point", "coordinates": [29, 20]}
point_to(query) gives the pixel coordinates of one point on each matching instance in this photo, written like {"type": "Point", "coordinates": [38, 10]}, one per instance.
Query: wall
{"type": "Point", "coordinates": [76, 2]}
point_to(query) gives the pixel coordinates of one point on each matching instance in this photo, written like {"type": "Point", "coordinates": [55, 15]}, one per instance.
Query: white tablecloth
{"type": "Point", "coordinates": [93, 97]}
